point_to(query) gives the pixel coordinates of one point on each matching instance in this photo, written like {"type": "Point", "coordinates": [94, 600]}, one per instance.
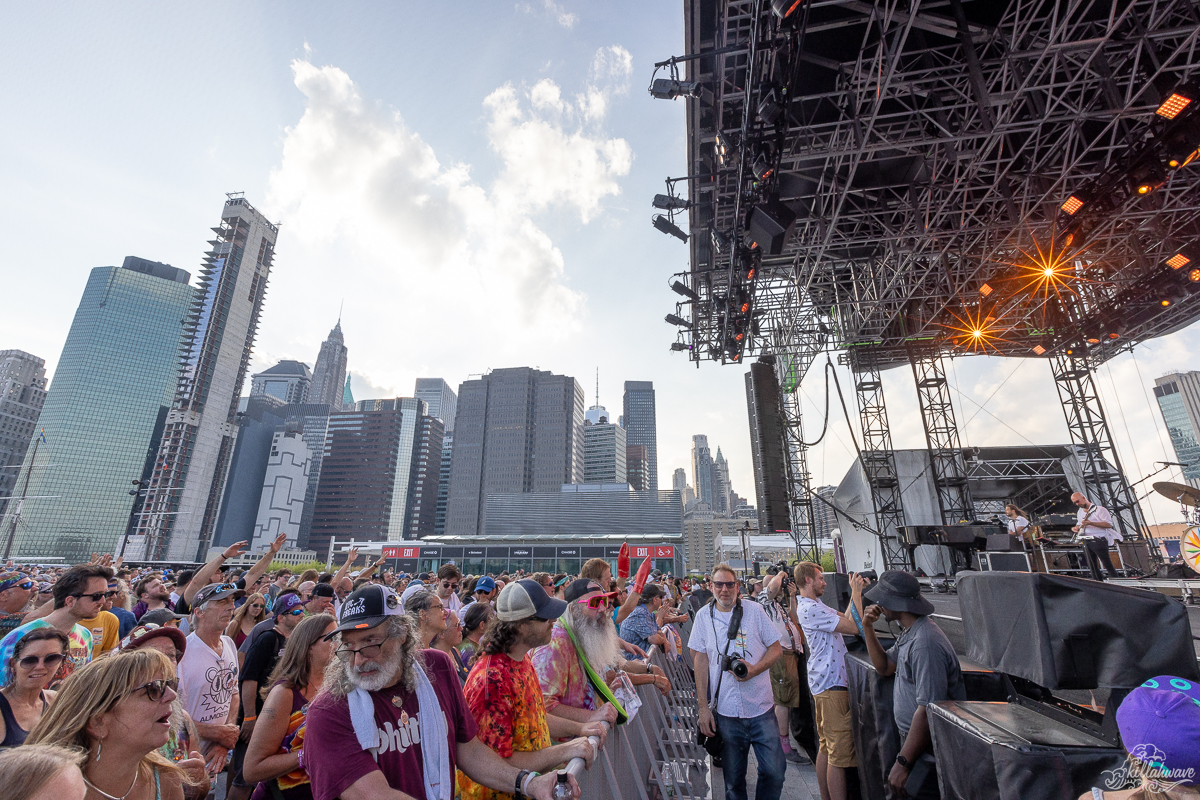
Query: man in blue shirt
{"type": "Point", "coordinates": [641, 627]}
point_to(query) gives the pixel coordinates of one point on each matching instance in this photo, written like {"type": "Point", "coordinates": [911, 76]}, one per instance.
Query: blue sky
{"type": "Point", "coordinates": [472, 180]}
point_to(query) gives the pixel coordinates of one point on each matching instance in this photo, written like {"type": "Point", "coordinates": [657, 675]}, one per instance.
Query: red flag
{"type": "Point", "coordinates": [643, 573]}
{"type": "Point", "coordinates": [623, 562]}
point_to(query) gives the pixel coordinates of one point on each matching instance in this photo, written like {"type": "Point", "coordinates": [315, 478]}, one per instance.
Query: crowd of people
{"type": "Point", "coordinates": [136, 684]}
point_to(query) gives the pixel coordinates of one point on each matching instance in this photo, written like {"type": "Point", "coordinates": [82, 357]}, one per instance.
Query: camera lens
{"type": "Point", "coordinates": [739, 668]}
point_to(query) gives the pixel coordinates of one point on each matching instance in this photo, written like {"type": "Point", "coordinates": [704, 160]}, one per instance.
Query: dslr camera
{"type": "Point", "coordinates": [735, 665]}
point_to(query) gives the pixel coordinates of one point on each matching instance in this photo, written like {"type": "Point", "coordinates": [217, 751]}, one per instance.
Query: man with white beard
{"type": "Point", "coordinates": [391, 721]}
{"type": "Point", "coordinates": [584, 652]}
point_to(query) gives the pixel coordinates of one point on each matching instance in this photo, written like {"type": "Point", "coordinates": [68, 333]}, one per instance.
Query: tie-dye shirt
{"type": "Point", "coordinates": [79, 650]}
{"type": "Point", "coordinates": [506, 699]}
{"type": "Point", "coordinates": [563, 678]}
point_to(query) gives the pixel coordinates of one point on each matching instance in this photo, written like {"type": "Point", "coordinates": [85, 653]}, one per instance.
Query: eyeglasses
{"type": "Point", "coordinates": [295, 612]}
{"type": "Point", "coordinates": [156, 689]}
{"type": "Point", "coordinates": [599, 601]}
{"type": "Point", "coordinates": [724, 584]}
{"type": "Point", "coordinates": [25, 585]}
{"type": "Point", "coordinates": [51, 661]}
{"type": "Point", "coordinates": [257, 605]}
{"type": "Point", "coordinates": [369, 651]}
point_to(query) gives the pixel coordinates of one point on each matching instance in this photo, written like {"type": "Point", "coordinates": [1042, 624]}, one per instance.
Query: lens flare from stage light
{"type": "Point", "coordinates": [976, 332]}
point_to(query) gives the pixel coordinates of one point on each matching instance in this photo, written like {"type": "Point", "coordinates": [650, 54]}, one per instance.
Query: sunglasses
{"type": "Point", "coordinates": [295, 612]}
{"type": "Point", "coordinates": [599, 601]}
{"type": "Point", "coordinates": [257, 605]}
{"type": "Point", "coordinates": [449, 585]}
{"type": "Point", "coordinates": [95, 597]}
{"type": "Point", "coordinates": [156, 689]}
{"type": "Point", "coordinates": [724, 584]}
{"type": "Point", "coordinates": [51, 661]}
{"type": "Point", "coordinates": [26, 585]}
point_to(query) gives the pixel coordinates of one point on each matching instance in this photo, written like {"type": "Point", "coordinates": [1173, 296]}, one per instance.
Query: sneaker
{"type": "Point", "coordinates": [797, 757]}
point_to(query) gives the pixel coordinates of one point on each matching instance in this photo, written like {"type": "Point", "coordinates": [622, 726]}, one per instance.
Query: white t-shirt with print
{"type": "Point", "coordinates": [207, 682]}
{"type": "Point", "coordinates": [826, 649]}
{"type": "Point", "coordinates": [741, 699]}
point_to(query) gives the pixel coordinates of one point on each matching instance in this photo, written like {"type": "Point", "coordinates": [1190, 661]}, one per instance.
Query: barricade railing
{"type": "Point", "coordinates": [654, 756]}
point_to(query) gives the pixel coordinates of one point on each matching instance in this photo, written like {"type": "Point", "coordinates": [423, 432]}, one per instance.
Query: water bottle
{"type": "Point", "coordinates": [562, 790]}
{"type": "Point", "coordinates": [668, 783]}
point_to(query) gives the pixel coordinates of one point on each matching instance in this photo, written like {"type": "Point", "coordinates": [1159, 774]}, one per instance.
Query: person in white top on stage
{"type": "Point", "coordinates": [1018, 523]}
{"type": "Point", "coordinates": [1096, 531]}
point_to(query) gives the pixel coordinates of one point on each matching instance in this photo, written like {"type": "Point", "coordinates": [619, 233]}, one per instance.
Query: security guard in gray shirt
{"type": "Point", "coordinates": [926, 669]}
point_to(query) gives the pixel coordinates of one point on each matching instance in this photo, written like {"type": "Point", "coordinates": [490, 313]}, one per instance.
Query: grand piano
{"type": "Point", "coordinates": [962, 541]}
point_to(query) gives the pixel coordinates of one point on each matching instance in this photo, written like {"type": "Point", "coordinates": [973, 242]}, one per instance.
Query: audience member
{"type": "Point", "coordinates": [42, 772]}
{"type": "Point", "coordinates": [475, 621]}
{"type": "Point", "coordinates": [779, 601]}
{"type": "Point", "coordinates": [249, 614]}
{"type": "Point", "coordinates": [208, 675]}
{"type": "Point", "coordinates": [116, 602]}
{"type": "Point", "coordinates": [381, 690]}
{"type": "Point", "coordinates": [449, 578]}
{"type": "Point", "coordinates": [448, 641]}
{"type": "Point", "coordinates": [429, 612]}
{"type": "Point", "coordinates": [275, 756]}
{"type": "Point", "coordinates": [642, 627]}
{"type": "Point", "coordinates": [151, 593]}
{"type": "Point", "coordinates": [320, 600]}
{"type": "Point", "coordinates": [731, 634]}
{"type": "Point", "coordinates": [926, 669]}
{"type": "Point", "coordinates": [484, 592]}
{"type": "Point", "coordinates": [35, 659]}
{"type": "Point", "coordinates": [505, 697]}
{"type": "Point", "coordinates": [16, 590]}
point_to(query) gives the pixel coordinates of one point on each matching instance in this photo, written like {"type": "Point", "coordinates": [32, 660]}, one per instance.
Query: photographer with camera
{"type": "Point", "coordinates": [734, 644]}
{"type": "Point", "coordinates": [823, 629]}
{"type": "Point", "coordinates": [778, 599]}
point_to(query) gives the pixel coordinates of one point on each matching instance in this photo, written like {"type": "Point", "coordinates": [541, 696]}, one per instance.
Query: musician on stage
{"type": "Point", "coordinates": [1018, 523]}
{"type": "Point", "coordinates": [1096, 532]}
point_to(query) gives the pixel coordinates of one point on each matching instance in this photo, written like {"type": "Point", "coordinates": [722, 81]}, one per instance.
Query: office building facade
{"type": "Point", "coordinates": [179, 515]}
{"type": "Point", "coordinates": [516, 430]}
{"type": "Point", "coordinates": [329, 379]}
{"type": "Point", "coordinates": [637, 461]}
{"type": "Point", "coordinates": [22, 394]}
{"type": "Point", "coordinates": [1178, 396]}
{"type": "Point", "coordinates": [112, 390]}
{"type": "Point", "coordinates": [281, 500]}
{"type": "Point", "coordinates": [702, 469]}
{"type": "Point", "coordinates": [263, 416]}
{"type": "Point", "coordinates": [287, 381]}
{"type": "Point", "coordinates": [441, 399]}
{"type": "Point", "coordinates": [604, 452]}
{"type": "Point", "coordinates": [639, 418]}
{"type": "Point", "coordinates": [443, 490]}
{"type": "Point", "coordinates": [421, 520]}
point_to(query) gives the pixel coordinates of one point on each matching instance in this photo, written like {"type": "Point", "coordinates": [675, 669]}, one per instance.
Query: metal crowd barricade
{"type": "Point", "coordinates": [654, 756]}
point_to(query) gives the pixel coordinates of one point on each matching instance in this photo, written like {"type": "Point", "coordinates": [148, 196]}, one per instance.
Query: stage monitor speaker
{"type": "Point", "coordinates": [1003, 562]}
{"type": "Point", "coordinates": [769, 225]}
{"type": "Point", "coordinates": [767, 447]}
{"type": "Point", "coordinates": [837, 591]}
{"type": "Point", "coordinates": [1004, 542]}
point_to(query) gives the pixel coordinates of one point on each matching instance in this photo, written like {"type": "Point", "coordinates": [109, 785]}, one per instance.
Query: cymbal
{"type": "Point", "coordinates": [1180, 492]}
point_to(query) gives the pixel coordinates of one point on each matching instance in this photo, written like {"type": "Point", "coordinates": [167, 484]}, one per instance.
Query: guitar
{"type": "Point", "coordinates": [1082, 524]}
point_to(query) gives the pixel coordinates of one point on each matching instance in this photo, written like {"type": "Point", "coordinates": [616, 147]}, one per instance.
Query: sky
{"type": "Point", "coordinates": [472, 189]}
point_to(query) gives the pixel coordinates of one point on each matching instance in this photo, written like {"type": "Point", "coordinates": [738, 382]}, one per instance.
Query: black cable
{"type": "Point", "coordinates": [825, 424]}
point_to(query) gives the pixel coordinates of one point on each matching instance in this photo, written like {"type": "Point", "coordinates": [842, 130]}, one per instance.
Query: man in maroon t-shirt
{"type": "Point", "coordinates": [367, 732]}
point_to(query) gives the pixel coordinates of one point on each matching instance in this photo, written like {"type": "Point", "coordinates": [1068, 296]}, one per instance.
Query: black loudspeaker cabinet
{"type": "Point", "coordinates": [1003, 562]}
{"type": "Point", "coordinates": [837, 591]}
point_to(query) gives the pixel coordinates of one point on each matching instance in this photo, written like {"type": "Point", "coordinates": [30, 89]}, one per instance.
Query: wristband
{"type": "Point", "coordinates": [517, 785]}
{"type": "Point", "coordinates": [525, 786]}
{"type": "Point", "coordinates": [250, 719]}
{"type": "Point", "coordinates": [857, 620]}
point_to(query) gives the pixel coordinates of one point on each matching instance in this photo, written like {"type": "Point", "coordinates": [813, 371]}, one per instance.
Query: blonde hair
{"type": "Point", "coordinates": [806, 571]}
{"type": "Point", "coordinates": [25, 770]}
{"type": "Point", "coordinates": [235, 624]}
{"type": "Point", "coordinates": [96, 689]}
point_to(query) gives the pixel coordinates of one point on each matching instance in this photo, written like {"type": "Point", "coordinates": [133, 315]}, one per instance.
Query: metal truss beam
{"type": "Point", "coordinates": [1103, 478]}
{"type": "Point", "coordinates": [879, 461]}
{"type": "Point", "coordinates": [946, 460]}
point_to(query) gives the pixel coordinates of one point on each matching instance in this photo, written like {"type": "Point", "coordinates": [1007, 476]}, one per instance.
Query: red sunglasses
{"type": "Point", "coordinates": [599, 601]}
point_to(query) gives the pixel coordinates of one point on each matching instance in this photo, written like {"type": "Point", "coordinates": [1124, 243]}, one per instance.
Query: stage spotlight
{"type": "Point", "coordinates": [1075, 202]}
{"type": "Point", "coordinates": [666, 226]}
{"type": "Point", "coordinates": [985, 290]}
{"type": "Point", "coordinates": [784, 8]}
{"type": "Point", "coordinates": [722, 149]}
{"type": "Point", "coordinates": [674, 320]}
{"type": "Point", "coordinates": [1041, 351]}
{"type": "Point", "coordinates": [762, 168]}
{"type": "Point", "coordinates": [1145, 178]}
{"type": "Point", "coordinates": [669, 202]}
{"type": "Point", "coordinates": [1194, 275]}
{"type": "Point", "coordinates": [769, 107]}
{"type": "Point", "coordinates": [1178, 261]}
{"type": "Point", "coordinates": [668, 89]}
{"type": "Point", "coordinates": [1179, 99]}
{"type": "Point", "coordinates": [1166, 302]}
{"type": "Point", "coordinates": [678, 346]}
{"type": "Point", "coordinates": [679, 288]}
{"type": "Point", "coordinates": [720, 241]}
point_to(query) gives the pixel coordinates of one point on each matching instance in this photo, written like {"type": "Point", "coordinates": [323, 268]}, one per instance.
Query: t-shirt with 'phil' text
{"type": "Point", "coordinates": [335, 761]}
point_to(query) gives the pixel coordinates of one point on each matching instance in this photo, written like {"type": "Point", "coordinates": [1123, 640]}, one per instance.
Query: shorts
{"type": "Point", "coordinates": [785, 680]}
{"type": "Point", "coordinates": [833, 727]}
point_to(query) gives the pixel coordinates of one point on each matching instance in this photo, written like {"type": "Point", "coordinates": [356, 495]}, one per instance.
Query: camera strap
{"type": "Point", "coordinates": [735, 623]}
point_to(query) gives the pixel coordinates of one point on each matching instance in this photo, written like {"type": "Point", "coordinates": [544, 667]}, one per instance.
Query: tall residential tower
{"type": "Point", "coordinates": [1178, 395]}
{"type": "Point", "coordinates": [640, 423]}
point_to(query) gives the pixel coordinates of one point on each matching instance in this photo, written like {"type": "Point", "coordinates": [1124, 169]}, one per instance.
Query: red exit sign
{"type": "Point", "coordinates": [400, 552]}
{"type": "Point", "coordinates": [664, 551]}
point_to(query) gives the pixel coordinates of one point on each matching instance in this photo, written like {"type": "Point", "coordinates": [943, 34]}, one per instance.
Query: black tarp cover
{"type": "Point", "coordinates": [978, 760]}
{"type": "Point", "coordinates": [1072, 633]}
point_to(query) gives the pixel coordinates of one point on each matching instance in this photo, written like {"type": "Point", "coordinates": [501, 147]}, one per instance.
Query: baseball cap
{"type": "Point", "coordinates": [581, 586]}
{"type": "Point", "coordinates": [526, 598]}
{"type": "Point", "coordinates": [367, 607]}
{"type": "Point", "coordinates": [1160, 726]}
{"type": "Point", "coordinates": [160, 617]}
{"type": "Point", "coordinates": [214, 591]}
{"type": "Point", "coordinates": [323, 590]}
{"type": "Point", "coordinates": [285, 603]}
{"type": "Point", "coordinates": [145, 632]}
{"type": "Point", "coordinates": [485, 584]}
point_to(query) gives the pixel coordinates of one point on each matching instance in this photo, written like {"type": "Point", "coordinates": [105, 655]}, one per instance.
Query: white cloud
{"type": "Point", "coordinates": [434, 265]}
{"type": "Point", "coordinates": [560, 14]}
{"type": "Point", "coordinates": [612, 64]}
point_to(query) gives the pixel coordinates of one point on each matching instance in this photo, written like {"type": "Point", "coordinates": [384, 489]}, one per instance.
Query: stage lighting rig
{"type": "Point", "coordinates": [678, 347]}
{"type": "Point", "coordinates": [669, 88]}
{"type": "Point", "coordinates": [675, 320]}
{"type": "Point", "coordinates": [666, 226]}
{"type": "Point", "coordinates": [770, 103]}
{"type": "Point", "coordinates": [1146, 176]}
{"type": "Point", "coordinates": [785, 8]}
{"type": "Point", "coordinates": [1181, 98]}
{"type": "Point", "coordinates": [681, 289]}
{"type": "Point", "coordinates": [669, 202]}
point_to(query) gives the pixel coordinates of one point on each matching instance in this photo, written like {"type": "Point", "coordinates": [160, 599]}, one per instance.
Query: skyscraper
{"type": "Point", "coordinates": [262, 418]}
{"type": "Point", "coordinates": [516, 430]}
{"type": "Point", "coordinates": [636, 461]}
{"type": "Point", "coordinates": [112, 389]}
{"type": "Point", "coordinates": [347, 395]}
{"type": "Point", "coordinates": [287, 381]}
{"type": "Point", "coordinates": [639, 419]}
{"type": "Point", "coordinates": [421, 514]}
{"type": "Point", "coordinates": [443, 490]}
{"type": "Point", "coordinates": [824, 517]}
{"type": "Point", "coordinates": [679, 479]}
{"type": "Point", "coordinates": [180, 511]}
{"type": "Point", "coordinates": [721, 488]}
{"type": "Point", "coordinates": [603, 451]}
{"type": "Point", "coordinates": [329, 373]}
{"type": "Point", "coordinates": [281, 502]}
{"type": "Point", "coordinates": [440, 398]}
{"type": "Point", "coordinates": [22, 393]}
{"type": "Point", "coordinates": [702, 469]}
{"type": "Point", "coordinates": [1178, 395]}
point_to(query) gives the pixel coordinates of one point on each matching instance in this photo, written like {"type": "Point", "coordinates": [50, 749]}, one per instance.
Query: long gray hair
{"type": "Point", "coordinates": [337, 675]}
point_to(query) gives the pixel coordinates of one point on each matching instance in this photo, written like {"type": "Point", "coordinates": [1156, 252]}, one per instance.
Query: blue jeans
{"type": "Point", "coordinates": [739, 735]}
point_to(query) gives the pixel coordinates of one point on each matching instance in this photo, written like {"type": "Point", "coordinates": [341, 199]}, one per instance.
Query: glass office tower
{"type": "Point", "coordinates": [105, 408]}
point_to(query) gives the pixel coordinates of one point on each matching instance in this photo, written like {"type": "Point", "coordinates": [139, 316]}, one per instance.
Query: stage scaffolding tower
{"type": "Point", "coordinates": [941, 434]}
{"type": "Point", "coordinates": [878, 459]}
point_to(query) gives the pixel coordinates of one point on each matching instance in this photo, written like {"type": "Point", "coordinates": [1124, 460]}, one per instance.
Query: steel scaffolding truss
{"type": "Point", "coordinates": [1102, 475]}
{"type": "Point", "coordinates": [946, 460]}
